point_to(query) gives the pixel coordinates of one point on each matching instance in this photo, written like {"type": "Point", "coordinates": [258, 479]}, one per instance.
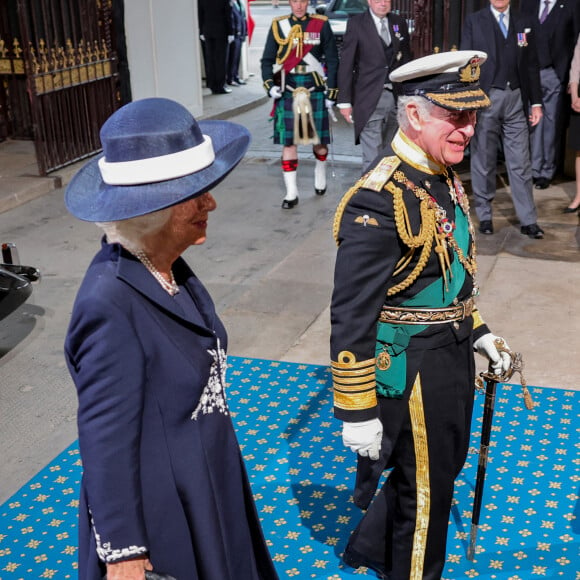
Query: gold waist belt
{"type": "Point", "coordinates": [454, 313]}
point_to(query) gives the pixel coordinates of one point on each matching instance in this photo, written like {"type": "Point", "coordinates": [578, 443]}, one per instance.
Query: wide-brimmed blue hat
{"type": "Point", "coordinates": [155, 155]}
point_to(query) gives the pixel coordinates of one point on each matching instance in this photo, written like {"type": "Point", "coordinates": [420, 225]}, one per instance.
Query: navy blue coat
{"type": "Point", "coordinates": [159, 478]}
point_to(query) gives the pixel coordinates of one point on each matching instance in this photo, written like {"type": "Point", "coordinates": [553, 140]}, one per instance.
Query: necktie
{"type": "Point", "coordinates": [502, 25]}
{"type": "Point", "coordinates": [545, 11]}
{"type": "Point", "coordinates": [385, 34]}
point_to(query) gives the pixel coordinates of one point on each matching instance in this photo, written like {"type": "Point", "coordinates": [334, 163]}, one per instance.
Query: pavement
{"type": "Point", "coordinates": [268, 270]}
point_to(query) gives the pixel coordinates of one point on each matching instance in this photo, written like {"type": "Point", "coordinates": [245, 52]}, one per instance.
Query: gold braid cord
{"type": "Point", "coordinates": [342, 206]}
{"type": "Point", "coordinates": [285, 45]}
{"type": "Point", "coordinates": [430, 233]}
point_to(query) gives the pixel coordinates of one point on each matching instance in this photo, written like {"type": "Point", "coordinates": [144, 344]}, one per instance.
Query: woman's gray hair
{"type": "Point", "coordinates": [131, 232]}
{"type": "Point", "coordinates": [425, 107]}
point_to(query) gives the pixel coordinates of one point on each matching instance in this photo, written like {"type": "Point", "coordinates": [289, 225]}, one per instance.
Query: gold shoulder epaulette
{"type": "Point", "coordinates": [319, 16]}
{"type": "Point", "coordinates": [376, 179]}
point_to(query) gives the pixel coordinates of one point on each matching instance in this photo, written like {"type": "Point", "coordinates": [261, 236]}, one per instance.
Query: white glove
{"type": "Point", "coordinates": [328, 103]}
{"type": "Point", "coordinates": [500, 361]}
{"type": "Point", "coordinates": [363, 438]}
{"type": "Point", "coordinates": [202, 37]}
{"type": "Point", "coordinates": [275, 92]}
{"type": "Point", "coordinates": [329, 107]}
{"type": "Point", "coordinates": [230, 38]}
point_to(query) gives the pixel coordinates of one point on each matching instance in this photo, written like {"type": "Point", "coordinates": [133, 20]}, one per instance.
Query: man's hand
{"type": "Point", "coordinates": [275, 92]}
{"type": "Point", "coordinates": [500, 361]}
{"type": "Point", "coordinates": [230, 38]}
{"type": "Point", "coordinates": [536, 115]}
{"type": "Point", "coordinates": [202, 37]}
{"type": "Point", "coordinates": [363, 438]}
{"type": "Point", "coordinates": [346, 112]}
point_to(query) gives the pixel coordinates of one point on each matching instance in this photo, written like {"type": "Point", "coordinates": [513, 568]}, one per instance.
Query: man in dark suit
{"type": "Point", "coordinates": [511, 78]}
{"type": "Point", "coordinates": [375, 43]}
{"type": "Point", "coordinates": [240, 28]}
{"type": "Point", "coordinates": [215, 29]}
{"type": "Point", "coordinates": [556, 33]}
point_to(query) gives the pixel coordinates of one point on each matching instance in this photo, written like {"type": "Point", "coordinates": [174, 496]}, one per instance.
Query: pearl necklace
{"type": "Point", "coordinates": [170, 287]}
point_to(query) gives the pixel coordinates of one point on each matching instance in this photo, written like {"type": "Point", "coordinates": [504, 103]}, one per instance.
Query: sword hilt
{"type": "Point", "coordinates": [516, 366]}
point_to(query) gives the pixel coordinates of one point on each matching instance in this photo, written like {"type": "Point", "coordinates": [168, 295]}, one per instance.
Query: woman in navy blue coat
{"type": "Point", "coordinates": [164, 485]}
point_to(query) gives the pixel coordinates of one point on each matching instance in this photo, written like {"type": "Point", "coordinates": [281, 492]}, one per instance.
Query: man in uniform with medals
{"type": "Point", "coordinates": [405, 323]}
{"type": "Point", "coordinates": [299, 67]}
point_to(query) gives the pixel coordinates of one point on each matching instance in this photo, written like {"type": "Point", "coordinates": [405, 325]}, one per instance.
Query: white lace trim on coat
{"type": "Point", "coordinates": [213, 397]}
{"type": "Point", "coordinates": [109, 555]}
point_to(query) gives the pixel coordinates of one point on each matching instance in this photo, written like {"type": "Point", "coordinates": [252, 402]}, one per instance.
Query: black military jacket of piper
{"type": "Point", "coordinates": [322, 48]}
{"type": "Point", "coordinates": [404, 239]}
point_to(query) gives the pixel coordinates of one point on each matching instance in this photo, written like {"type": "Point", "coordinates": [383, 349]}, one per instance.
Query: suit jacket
{"type": "Point", "coordinates": [479, 33]}
{"type": "Point", "coordinates": [156, 479]}
{"type": "Point", "coordinates": [558, 33]}
{"type": "Point", "coordinates": [239, 24]}
{"type": "Point", "coordinates": [362, 70]}
{"type": "Point", "coordinates": [215, 19]}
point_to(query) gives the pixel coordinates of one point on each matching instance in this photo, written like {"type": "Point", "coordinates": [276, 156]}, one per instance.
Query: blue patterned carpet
{"type": "Point", "coordinates": [303, 477]}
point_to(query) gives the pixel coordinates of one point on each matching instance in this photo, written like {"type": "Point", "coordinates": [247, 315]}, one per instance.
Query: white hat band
{"type": "Point", "coordinates": [161, 168]}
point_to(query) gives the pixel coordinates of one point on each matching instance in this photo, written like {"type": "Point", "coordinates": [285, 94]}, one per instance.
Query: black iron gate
{"type": "Point", "coordinates": [65, 52]}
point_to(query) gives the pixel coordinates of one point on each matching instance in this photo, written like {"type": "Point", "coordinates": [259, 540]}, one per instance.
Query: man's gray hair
{"type": "Point", "coordinates": [130, 232]}
{"type": "Point", "coordinates": [425, 107]}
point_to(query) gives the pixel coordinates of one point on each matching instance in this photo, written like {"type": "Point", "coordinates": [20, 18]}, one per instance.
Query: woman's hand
{"type": "Point", "coordinates": [129, 569]}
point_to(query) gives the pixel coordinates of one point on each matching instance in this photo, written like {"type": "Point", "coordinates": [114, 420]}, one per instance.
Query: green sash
{"type": "Point", "coordinates": [394, 338]}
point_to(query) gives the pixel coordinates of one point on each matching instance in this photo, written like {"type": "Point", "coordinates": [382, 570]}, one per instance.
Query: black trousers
{"type": "Point", "coordinates": [215, 54]}
{"type": "Point", "coordinates": [234, 55]}
{"type": "Point", "coordinates": [425, 443]}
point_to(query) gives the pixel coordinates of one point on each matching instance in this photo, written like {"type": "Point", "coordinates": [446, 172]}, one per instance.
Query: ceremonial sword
{"type": "Point", "coordinates": [491, 380]}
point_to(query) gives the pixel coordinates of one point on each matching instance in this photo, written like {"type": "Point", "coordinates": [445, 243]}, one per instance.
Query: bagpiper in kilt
{"type": "Point", "coordinates": [299, 67]}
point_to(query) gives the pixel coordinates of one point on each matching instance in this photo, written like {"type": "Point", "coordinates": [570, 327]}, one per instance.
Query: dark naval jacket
{"type": "Point", "coordinates": [405, 239]}
{"type": "Point", "coordinates": [322, 48]}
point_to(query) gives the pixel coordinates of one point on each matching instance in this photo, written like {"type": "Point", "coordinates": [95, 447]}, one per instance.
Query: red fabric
{"type": "Point", "coordinates": [314, 25]}
{"type": "Point", "coordinates": [320, 156]}
{"type": "Point", "coordinates": [251, 23]}
{"type": "Point", "coordinates": [289, 164]}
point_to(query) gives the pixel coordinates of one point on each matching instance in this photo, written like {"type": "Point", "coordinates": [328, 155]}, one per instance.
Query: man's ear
{"type": "Point", "coordinates": [414, 116]}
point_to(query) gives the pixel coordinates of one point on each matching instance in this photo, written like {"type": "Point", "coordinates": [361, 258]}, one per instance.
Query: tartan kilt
{"type": "Point", "coordinates": [284, 116]}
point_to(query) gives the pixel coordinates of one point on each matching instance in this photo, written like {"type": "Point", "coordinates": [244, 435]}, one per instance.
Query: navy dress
{"type": "Point", "coordinates": [163, 473]}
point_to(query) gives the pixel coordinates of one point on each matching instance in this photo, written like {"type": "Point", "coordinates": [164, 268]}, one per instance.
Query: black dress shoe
{"type": "Point", "coordinates": [222, 91]}
{"type": "Point", "coordinates": [355, 560]}
{"type": "Point", "coordinates": [533, 231]}
{"type": "Point", "coordinates": [542, 183]}
{"type": "Point", "coordinates": [570, 209]}
{"type": "Point", "coordinates": [486, 227]}
{"type": "Point", "coordinates": [233, 83]}
{"type": "Point", "coordinates": [289, 203]}
{"type": "Point", "coordinates": [320, 191]}
{"type": "Point", "coordinates": [240, 82]}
